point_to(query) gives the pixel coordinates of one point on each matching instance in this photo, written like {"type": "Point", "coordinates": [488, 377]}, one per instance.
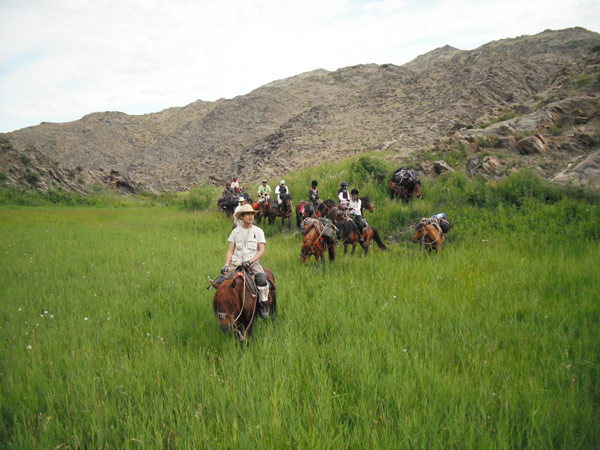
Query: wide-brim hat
{"type": "Point", "coordinates": [264, 180]}
{"type": "Point", "coordinates": [245, 209]}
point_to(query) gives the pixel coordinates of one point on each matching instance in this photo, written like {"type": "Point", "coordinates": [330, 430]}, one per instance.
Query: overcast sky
{"type": "Point", "coordinates": [62, 59]}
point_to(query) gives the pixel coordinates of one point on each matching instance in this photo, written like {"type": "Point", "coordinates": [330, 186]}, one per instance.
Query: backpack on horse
{"type": "Point", "coordinates": [432, 232]}
{"type": "Point", "coordinates": [404, 183]}
{"type": "Point", "coordinates": [318, 235]}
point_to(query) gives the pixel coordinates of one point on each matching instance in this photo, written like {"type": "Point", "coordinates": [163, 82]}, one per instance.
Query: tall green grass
{"type": "Point", "coordinates": [109, 340]}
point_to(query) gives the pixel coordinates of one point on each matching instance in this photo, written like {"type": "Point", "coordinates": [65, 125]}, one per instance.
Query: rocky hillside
{"type": "Point", "coordinates": [449, 103]}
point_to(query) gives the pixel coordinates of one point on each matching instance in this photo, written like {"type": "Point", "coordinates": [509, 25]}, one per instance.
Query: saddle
{"type": "Point", "coordinates": [435, 223]}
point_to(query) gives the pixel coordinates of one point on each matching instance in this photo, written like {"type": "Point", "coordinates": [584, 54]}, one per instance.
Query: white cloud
{"type": "Point", "coordinates": [62, 59]}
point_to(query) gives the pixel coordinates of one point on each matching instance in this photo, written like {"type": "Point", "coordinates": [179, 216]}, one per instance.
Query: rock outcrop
{"type": "Point", "coordinates": [546, 85]}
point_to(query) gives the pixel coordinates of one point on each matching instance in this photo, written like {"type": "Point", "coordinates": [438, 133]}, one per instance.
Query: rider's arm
{"type": "Point", "coordinates": [230, 253]}
{"type": "Point", "coordinates": [259, 253]}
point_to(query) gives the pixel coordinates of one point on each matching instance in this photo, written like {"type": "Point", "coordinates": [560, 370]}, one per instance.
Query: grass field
{"type": "Point", "coordinates": [109, 340]}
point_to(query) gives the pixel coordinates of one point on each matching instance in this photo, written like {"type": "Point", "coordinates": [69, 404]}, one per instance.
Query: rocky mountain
{"type": "Point", "coordinates": [445, 101]}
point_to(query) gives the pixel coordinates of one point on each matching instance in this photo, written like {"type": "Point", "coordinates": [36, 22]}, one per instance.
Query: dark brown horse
{"type": "Point", "coordinates": [349, 235]}
{"type": "Point", "coordinates": [405, 192]}
{"type": "Point", "coordinates": [366, 203]}
{"type": "Point", "coordinates": [429, 233]}
{"type": "Point", "coordinates": [314, 243]}
{"type": "Point", "coordinates": [266, 211]}
{"type": "Point", "coordinates": [285, 210]}
{"type": "Point", "coordinates": [236, 306]}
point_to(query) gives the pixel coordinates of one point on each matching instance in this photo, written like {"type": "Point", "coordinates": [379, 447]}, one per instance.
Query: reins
{"type": "Point", "coordinates": [234, 325]}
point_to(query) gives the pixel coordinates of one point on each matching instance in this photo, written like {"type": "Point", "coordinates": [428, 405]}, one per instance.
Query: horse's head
{"type": "Point", "coordinates": [419, 232]}
{"type": "Point", "coordinates": [367, 203]}
{"type": "Point", "coordinates": [418, 191]}
{"type": "Point", "coordinates": [329, 203]}
{"type": "Point", "coordinates": [227, 302]}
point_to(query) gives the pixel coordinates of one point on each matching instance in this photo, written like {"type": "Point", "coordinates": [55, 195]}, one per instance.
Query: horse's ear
{"type": "Point", "coordinates": [233, 281]}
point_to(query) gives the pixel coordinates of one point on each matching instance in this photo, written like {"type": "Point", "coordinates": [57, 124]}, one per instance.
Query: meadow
{"type": "Point", "coordinates": [109, 339]}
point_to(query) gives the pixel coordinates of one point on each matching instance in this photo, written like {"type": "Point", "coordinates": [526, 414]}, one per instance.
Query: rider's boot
{"type": "Point", "coordinates": [263, 301]}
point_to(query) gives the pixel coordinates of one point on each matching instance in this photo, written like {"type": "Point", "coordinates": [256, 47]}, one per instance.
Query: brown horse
{"type": "Point", "coordinates": [314, 243]}
{"type": "Point", "coordinates": [285, 210]}
{"type": "Point", "coordinates": [430, 233]}
{"type": "Point", "coordinates": [235, 305]}
{"type": "Point", "coordinates": [405, 192]}
{"type": "Point", "coordinates": [349, 235]}
{"type": "Point", "coordinates": [266, 210]}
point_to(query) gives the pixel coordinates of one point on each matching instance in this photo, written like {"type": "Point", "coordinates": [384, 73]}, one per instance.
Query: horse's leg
{"type": "Point", "coordinates": [345, 247]}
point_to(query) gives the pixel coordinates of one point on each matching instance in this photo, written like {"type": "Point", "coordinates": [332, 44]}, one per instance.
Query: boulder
{"type": "Point", "coordinates": [436, 167]}
{"type": "Point", "coordinates": [585, 174]}
{"type": "Point", "coordinates": [532, 145]}
{"type": "Point", "coordinates": [492, 165]}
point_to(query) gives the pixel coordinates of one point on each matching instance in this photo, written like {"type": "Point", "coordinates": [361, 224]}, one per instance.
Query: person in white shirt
{"type": "Point", "coordinates": [279, 190]}
{"type": "Point", "coordinates": [354, 205]}
{"type": "Point", "coordinates": [343, 197]}
{"type": "Point", "coordinates": [235, 186]}
{"type": "Point", "coordinates": [246, 248]}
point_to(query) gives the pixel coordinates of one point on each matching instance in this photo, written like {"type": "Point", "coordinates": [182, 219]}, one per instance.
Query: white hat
{"type": "Point", "coordinates": [282, 182]}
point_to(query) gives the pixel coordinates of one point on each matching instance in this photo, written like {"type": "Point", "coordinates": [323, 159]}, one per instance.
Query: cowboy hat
{"type": "Point", "coordinates": [264, 180]}
{"type": "Point", "coordinates": [245, 209]}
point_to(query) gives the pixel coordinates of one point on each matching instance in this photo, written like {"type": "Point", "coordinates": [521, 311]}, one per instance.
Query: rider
{"type": "Point", "coordinates": [264, 191]}
{"type": "Point", "coordinates": [279, 190]}
{"type": "Point", "coordinates": [355, 213]}
{"type": "Point", "coordinates": [313, 196]}
{"type": "Point", "coordinates": [235, 186]}
{"type": "Point", "coordinates": [246, 248]}
{"type": "Point", "coordinates": [343, 196]}
{"type": "Point", "coordinates": [242, 200]}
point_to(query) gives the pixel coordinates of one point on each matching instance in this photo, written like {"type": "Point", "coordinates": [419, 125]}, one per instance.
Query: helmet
{"type": "Point", "coordinates": [343, 184]}
{"type": "Point", "coordinates": [314, 183]}
{"type": "Point", "coordinates": [354, 191]}
{"type": "Point", "coordinates": [282, 182]}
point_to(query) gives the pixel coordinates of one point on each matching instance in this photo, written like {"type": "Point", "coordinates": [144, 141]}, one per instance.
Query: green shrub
{"type": "Point", "coordinates": [366, 168]}
{"type": "Point", "coordinates": [198, 199]}
{"type": "Point", "coordinates": [32, 177]}
{"type": "Point", "coordinates": [25, 159]}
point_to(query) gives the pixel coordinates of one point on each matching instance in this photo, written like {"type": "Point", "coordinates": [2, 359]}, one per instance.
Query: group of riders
{"type": "Point", "coordinates": [247, 240]}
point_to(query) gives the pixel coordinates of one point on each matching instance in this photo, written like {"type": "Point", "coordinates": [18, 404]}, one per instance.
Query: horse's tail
{"type": "Point", "coordinates": [378, 239]}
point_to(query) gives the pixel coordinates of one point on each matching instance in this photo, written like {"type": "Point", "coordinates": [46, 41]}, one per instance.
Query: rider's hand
{"type": "Point", "coordinates": [246, 265]}
{"type": "Point", "coordinates": [224, 270]}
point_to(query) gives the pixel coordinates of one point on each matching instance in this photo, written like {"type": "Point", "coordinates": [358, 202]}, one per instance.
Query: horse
{"type": "Point", "coordinates": [235, 305]}
{"type": "Point", "coordinates": [349, 235]}
{"type": "Point", "coordinates": [227, 202]}
{"type": "Point", "coordinates": [266, 210]}
{"type": "Point", "coordinates": [285, 210]}
{"type": "Point", "coordinates": [324, 207]}
{"type": "Point", "coordinates": [365, 203]}
{"type": "Point", "coordinates": [406, 191]}
{"type": "Point", "coordinates": [301, 209]}
{"type": "Point", "coordinates": [314, 243]}
{"type": "Point", "coordinates": [430, 233]}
